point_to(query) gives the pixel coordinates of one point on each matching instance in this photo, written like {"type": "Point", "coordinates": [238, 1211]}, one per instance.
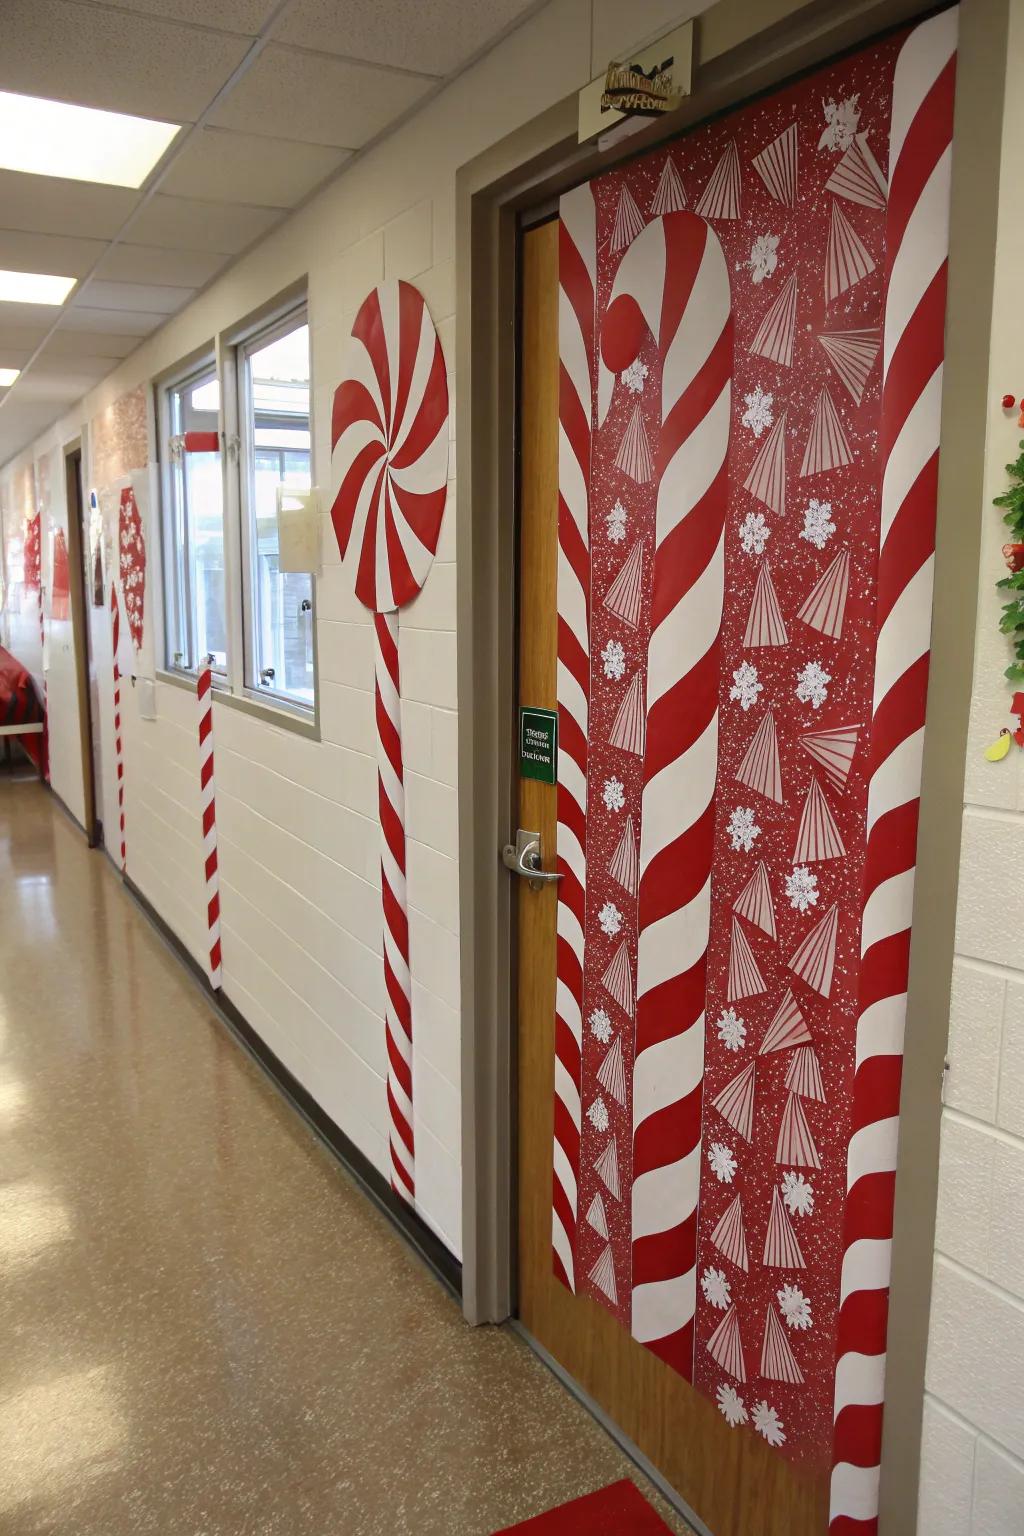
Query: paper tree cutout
{"type": "Point", "coordinates": [597, 1217]}
{"type": "Point", "coordinates": [852, 355]}
{"type": "Point", "coordinates": [607, 1169]}
{"type": "Point", "coordinates": [603, 1275]}
{"type": "Point", "coordinates": [624, 597]}
{"type": "Point", "coordinates": [781, 1249]}
{"type": "Point", "coordinates": [804, 1075]}
{"type": "Point", "coordinates": [764, 622]}
{"type": "Point", "coordinates": [726, 1347]}
{"type": "Point", "coordinates": [786, 1029]}
{"type": "Point", "coordinates": [755, 902]}
{"type": "Point", "coordinates": [634, 455]}
{"type": "Point", "coordinates": [729, 1237]}
{"type": "Point", "coordinates": [776, 332]}
{"type": "Point", "coordinates": [777, 166]}
{"type": "Point", "coordinates": [778, 1363]}
{"type": "Point", "coordinates": [760, 769]}
{"type": "Point", "coordinates": [625, 865]}
{"type": "Point", "coordinates": [825, 605]}
{"type": "Point", "coordinates": [618, 979]}
{"type": "Point", "coordinates": [735, 1103]}
{"type": "Point", "coordinates": [795, 1147]}
{"type": "Point", "coordinates": [629, 724]}
{"type": "Point", "coordinates": [847, 259]}
{"type": "Point", "coordinates": [828, 447]}
{"type": "Point", "coordinates": [818, 838]}
{"type": "Point", "coordinates": [629, 221]}
{"type": "Point", "coordinates": [670, 197]}
{"type": "Point", "coordinates": [833, 750]}
{"type": "Point", "coordinates": [766, 481]}
{"type": "Point", "coordinates": [814, 959]}
{"type": "Point", "coordinates": [611, 1074]}
{"type": "Point", "coordinates": [858, 176]}
{"type": "Point", "coordinates": [721, 197]}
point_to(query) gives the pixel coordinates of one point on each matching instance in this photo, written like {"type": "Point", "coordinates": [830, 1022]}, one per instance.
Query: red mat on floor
{"type": "Point", "coordinates": [620, 1510]}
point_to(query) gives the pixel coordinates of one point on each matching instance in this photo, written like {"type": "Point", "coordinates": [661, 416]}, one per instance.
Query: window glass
{"type": "Point", "coordinates": [277, 452]}
{"type": "Point", "coordinates": [195, 593]}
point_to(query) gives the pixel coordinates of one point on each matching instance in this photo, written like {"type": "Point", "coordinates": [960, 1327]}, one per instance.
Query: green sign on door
{"type": "Point", "coordinates": [538, 744]}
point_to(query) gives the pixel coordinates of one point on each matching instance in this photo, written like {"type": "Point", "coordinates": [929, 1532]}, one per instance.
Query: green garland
{"type": "Point", "coordinates": [1012, 621]}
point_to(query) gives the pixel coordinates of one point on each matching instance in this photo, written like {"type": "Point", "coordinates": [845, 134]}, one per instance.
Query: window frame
{"type": "Point", "coordinates": [273, 324]}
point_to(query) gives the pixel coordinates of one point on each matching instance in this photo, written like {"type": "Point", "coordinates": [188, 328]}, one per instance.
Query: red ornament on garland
{"type": "Point", "coordinates": [1009, 401]}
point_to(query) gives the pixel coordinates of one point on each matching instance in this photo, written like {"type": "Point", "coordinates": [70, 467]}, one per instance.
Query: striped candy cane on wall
{"type": "Point", "coordinates": [204, 697]}
{"type": "Point", "coordinates": [577, 261]}
{"type": "Point", "coordinates": [115, 623]}
{"type": "Point", "coordinates": [917, 240]}
{"type": "Point", "coordinates": [673, 282]}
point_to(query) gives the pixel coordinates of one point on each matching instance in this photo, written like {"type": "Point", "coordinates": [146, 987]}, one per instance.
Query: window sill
{"type": "Point", "coordinates": [301, 723]}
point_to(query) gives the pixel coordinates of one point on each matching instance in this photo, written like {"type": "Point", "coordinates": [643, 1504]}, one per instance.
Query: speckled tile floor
{"type": "Point", "coordinates": [207, 1329]}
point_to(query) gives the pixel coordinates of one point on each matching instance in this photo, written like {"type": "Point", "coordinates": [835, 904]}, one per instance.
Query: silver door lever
{"type": "Point", "coordinates": [523, 858]}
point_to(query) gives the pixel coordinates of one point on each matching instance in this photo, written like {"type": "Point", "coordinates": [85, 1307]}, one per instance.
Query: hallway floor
{"type": "Point", "coordinates": [207, 1329]}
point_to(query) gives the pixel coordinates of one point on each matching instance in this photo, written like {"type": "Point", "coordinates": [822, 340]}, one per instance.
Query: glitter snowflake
{"type": "Point", "coordinates": [818, 525]}
{"type": "Point", "coordinates": [731, 1406]}
{"type": "Point", "coordinates": [802, 888]}
{"type": "Point", "coordinates": [722, 1162]}
{"type": "Point", "coordinates": [615, 522]}
{"type": "Point", "coordinates": [614, 794]}
{"type": "Point", "coordinates": [601, 1026]}
{"type": "Point", "coordinates": [743, 829]}
{"type": "Point", "coordinates": [812, 684]}
{"type": "Point", "coordinates": [633, 377]}
{"type": "Point", "coordinates": [763, 257]}
{"type": "Point", "coordinates": [732, 1031]}
{"type": "Point", "coordinates": [745, 685]}
{"type": "Point", "coordinates": [717, 1292]}
{"type": "Point", "coordinates": [797, 1194]}
{"type": "Point", "coordinates": [754, 533]}
{"type": "Point", "coordinates": [758, 414]}
{"type": "Point", "coordinates": [613, 659]}
{"type": "Point", "coordinates": [597, 1114]}
{"type": "Point", "coordinates": [610, 919]}
{"type": "Point", "coordinates": [841, 122]}
{"type": "Point", "coordinates": [768, 1424]}
{"type": "Point", "coordinates": [796, 1309]}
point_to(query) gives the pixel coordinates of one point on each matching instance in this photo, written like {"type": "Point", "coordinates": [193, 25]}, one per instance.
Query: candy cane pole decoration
{"type": "Point", "coordinates": [204, 695]}
{"type": "Point", "coordinates": [42, 668]}
{"type": "Point", "coordinates": [674, 284]}
{"type": "Point", "coordinates": [917, 239]}
{"type": "Point", "coordinates": [115, 620]}
{"type": "Point", "coordinates": [577, 265]}
{"type": "Point", "coordinates": [389, 436]}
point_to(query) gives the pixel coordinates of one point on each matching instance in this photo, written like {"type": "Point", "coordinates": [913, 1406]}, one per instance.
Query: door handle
{"type": "Point", "coordinates": [523, 858]}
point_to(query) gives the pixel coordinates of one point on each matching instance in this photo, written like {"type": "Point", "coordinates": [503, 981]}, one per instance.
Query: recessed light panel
{"type": "Point", "coordinates": [8, 376]}
{"type": "Point", "coordinates": [54, 138]}
{"type": "Point", "coordinates": [34, 288]}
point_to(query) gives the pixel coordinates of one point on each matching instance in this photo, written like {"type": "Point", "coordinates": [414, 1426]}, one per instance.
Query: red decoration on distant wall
{"type": "Point", "coordinates": [33, 553]}
{"type": "Point", "coordinates": [132, 562]}
{"type": "Point", "coordinates": [61, 584]}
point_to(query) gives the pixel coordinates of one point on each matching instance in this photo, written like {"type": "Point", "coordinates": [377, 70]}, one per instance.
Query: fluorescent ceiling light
{"type": "Point", "coordinates": [53, 138]}
{"type": "Point", "coordinates": [34, 288]}
{"type": "Point", "coordinates": [8, 376]}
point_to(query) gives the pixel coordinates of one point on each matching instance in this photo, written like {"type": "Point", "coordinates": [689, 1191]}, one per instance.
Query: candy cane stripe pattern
{"type": "Point", "coordinates": [577, 264]}
{"type": "Point", "coordinates": [674, 283]}
{"type": "Point", "coordinates": [204, 695]}
{"type": "Point", "coordinates": [398, 1005]}
{"type": "Point", "coordinates": [115, 621]}
{"type": "Point", "coordinates": [917, 240]}
{"type": "Point", "coordinates": [389, 440]}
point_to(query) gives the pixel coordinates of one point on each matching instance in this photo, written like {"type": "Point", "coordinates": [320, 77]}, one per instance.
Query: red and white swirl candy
{"type": "Point", "coordinates": [389, 447]}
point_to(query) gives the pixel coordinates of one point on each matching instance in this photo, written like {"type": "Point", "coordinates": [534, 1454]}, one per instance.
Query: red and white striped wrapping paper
{"type": "Point", "coordinates": [115, 624]}
{"type": "Point", "coordinates": [208, 806]}
{"type": "Point", "coordinates": [917, 237]}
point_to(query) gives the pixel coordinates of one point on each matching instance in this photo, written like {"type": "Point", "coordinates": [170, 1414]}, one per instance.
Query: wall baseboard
{"type": "Point", "coordinates": [356, 1164]}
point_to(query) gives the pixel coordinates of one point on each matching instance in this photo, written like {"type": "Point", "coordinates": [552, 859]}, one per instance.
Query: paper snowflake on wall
{"type": "Point", "coordinates": [745, 685]}
{"type": "Point", "coordinates": [597, 1114]}
{"type": "Point", "coordinates": [610, 919]}
{"type": "Point", "coordinates": [743, 829]}
{"type": "Point", "coordinates": [731, 1406]}
{"type": "Point", "coordinates": [614, 794]}
{"type": "Point", "coordinates": [600, 1026]}
{"type": "Point", "coordinates": [763, 257]}
{"type": "Point", "coordinates": [615, 521]}
{"type": "Point", "coordinates": [717, 1292]}
{"type": "Point", "coordinates": [812, 684]}
{"type": "Point", "coordinates": [613, 659]}
{"type": "Point", "coordinates": [842, 119]}
{"type": "Point", "coordinates": [797, 1194]}
{"type": "Point", "coordinates": [754, 533]}
{"type": "Point", "coordinates": [768, 1424]}
{"type": "Point", "coordinates": [758, 415]}
{"type": "Point", "coordinates": [634, 376]}
{"type": "Point", "coordinates": [732, 1031]}
{"type": "Point", "coordinates": [818, 525]}
{"type": "Point", "coordinates": [722, 1162]}
{"type": "Point", "coordinates": [802, 888]}
{"type": "Point", "coordinates": [796, 1309]}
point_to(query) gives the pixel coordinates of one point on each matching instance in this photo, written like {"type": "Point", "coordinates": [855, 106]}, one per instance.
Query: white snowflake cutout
{"type": "Point", "coordinates": [732, 1030]}
{"type": "Point", "coordinates": [812, 684]}
{"type": "Point", "coordinates": [768, 1424]}
{"type": "Point", "coordinates": [797, 1194]}
{"type": "Point", "coordinates": [716, 1288]}
{"type": "Point", "coordinates": [763, 257]}
{"type": "Point", "coordinates": [818, 525]}
{"type": "Point", "coordinates": [634, 376]}
{"type": "Point", "coordinates": [613, 659]}
{"type": "Point", "coordinates": [615, 522]}
{"type": "Point", "coordinates": [743, 829]}
{"type": "Point", "coordinates": [722, 1162]}
{"type": "Point", "coordinates": [802, 888]}
{"type": "Point", "coordinates": [758, 414]}
{"type": "Point", "coordinates": [754, 533]}
{"type": "Point", "coordinates": [731, 1406]}
{"type": "Point", "coordinates": [614, 794]}
{"type": "Point", "coordinates": [745, 685]}
{"type": "Point", "coordinates": [597, 1114]}
{"type": "Point", "coordinates": [610, 919]}
{"type": "Point", "coordinates": [796, 1308]}
{"type": "Point", "coordinates": [601, 1025]}
{"type": "Point", "coordinates": [842, 119]}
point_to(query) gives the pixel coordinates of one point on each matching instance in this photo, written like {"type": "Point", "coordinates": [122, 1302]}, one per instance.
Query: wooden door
{"type": "Point", "coordinates": [734, 1482]}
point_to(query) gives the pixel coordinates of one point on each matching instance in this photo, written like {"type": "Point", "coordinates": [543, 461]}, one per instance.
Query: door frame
{"type": "Point", "coordinates": [74, 485]}
{"type": "Point", "coordinates": [742, 47]}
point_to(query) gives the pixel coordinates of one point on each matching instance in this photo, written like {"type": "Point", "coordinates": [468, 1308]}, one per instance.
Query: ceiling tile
{"type": "Point", "coordinates": [65, 387]}
{"type": "Point", "coordinates": [317, 99]}
{"type": "Point", "coordinates": [269, 172]}
{"type": "Point", "coordinates": [67, 342]}
{"type": "Point", "coordinates": [154, 298]}
{"type": "Point", "coordinates": [181, 223]}
{"type": "Point", "coordinates": [406, 34]}
{"type": "Point", "coordinates": [37, 316]}
{"type": "Point", "coordinates": [13, 357]}
{"type": "Point", "coordinates": [59, 254]}
{"type": "Point", "coordinates": [113, 59]}
{"type": "Point", "coordinates": [22, 338]}
{"type": "Point", "coordinates": [245, 16]}
{"type": "Point", "coordinates": [119, 322]}
{"type": "Point", "coordinates": [93, 364]}
{"type": "Point", "coordinates": [57, 207]}
{"type": "Point", "coordinates": [149, 264]}
{"type": "Point", "coordinates": [21, 421]}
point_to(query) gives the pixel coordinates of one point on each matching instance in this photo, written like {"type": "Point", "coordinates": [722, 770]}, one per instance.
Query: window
{"type": "Point", "coordinates": [273, 380]}
{"type": "Point", "coordinates": [195, 605]}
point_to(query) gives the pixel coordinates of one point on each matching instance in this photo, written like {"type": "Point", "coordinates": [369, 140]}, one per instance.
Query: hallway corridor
{"type": "Point", "coordinates": [207, 1328]}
